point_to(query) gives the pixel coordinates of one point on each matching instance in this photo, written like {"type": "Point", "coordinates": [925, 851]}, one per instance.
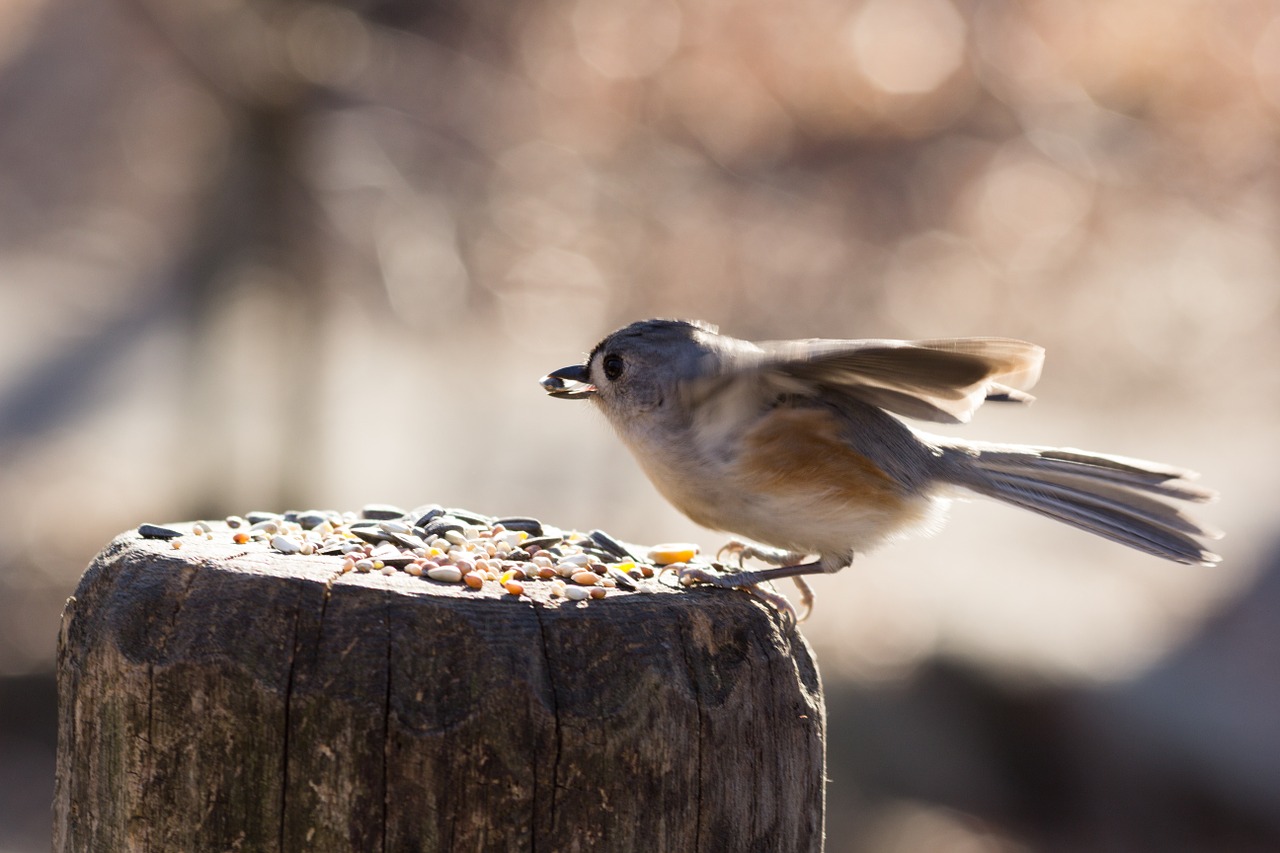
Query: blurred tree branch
{"type": "Point", "coordinates": [256, 228]}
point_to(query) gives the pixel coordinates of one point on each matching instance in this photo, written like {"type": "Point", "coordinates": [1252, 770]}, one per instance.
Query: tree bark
{"type": "Point", "coordinates": [219, 697]}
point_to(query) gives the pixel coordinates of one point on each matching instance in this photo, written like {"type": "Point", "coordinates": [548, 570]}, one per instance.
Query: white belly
{"type": "Point", "coordinates": [818, 521]}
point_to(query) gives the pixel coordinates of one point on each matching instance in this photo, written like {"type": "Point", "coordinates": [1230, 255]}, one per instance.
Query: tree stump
{"type": "Point", "coordinates": [220, 697]}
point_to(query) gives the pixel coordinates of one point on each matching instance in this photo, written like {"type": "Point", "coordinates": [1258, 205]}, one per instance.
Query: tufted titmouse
{"type": "Point", "coordinates": [791, 444]}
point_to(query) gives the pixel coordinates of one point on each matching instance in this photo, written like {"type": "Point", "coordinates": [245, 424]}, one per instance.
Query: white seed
{"type": "Point", "coordinates": [364, 565]}
{"type": "Point", "coordinates": [285, 545]}
{"type": "Point", "coordinates": [577, 593]}
{"type": "Point", "coordinates": [447, 574]}
{"type": "Point", "coordinates": [385, 550]}
{"type": "Point", "coordinates": [395, 526]}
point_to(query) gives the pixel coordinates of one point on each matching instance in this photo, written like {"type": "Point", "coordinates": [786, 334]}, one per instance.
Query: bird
{"type": "Point", "coordinates": [800, 451]}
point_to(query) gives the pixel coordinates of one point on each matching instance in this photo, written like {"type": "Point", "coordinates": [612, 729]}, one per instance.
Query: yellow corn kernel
{"type": "Point", "coordinates": [673, 552]}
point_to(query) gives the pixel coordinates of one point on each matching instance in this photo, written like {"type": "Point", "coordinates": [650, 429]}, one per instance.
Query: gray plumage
{"type": "Point", "coordinates": [697, 407]}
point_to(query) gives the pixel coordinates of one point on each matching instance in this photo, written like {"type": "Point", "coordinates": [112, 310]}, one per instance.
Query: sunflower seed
{"type": "Point", "coordinates": [441, 526]}
{"type": "Point", "coordinates": [380, 512]}
{"type": "Point", "coordinates": [608, 543]}
{"type": "Point", "coordinates": [157, 531]}
{"type": "Point", "coordinates": [521, 524]}
{"type": "Point", "coordinates": [426, 514]}
{"type": "Point", "coordinates": [469, 516]}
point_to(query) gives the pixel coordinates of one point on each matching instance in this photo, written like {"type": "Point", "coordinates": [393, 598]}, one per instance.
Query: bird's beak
{"type": "Point", "coordinates": [554, 383]}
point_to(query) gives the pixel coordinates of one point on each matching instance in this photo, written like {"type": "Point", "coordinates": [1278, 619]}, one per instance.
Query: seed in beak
{"type": "Point", "coordinates": [557, 383]}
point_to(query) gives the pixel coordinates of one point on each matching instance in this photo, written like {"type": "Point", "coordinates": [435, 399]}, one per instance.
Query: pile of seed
{"type": "Point", "coordinates": [450, 546]}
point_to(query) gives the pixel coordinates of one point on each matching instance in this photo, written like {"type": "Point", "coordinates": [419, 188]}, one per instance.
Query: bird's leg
{"type": "Point", "coordinates": [750, 581]}
{"type": "Point", "coordinates": [737, 580]}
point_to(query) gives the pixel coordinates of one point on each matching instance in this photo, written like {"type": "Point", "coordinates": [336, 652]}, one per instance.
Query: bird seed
{"type": "Point", "coordinates": [431, 543]}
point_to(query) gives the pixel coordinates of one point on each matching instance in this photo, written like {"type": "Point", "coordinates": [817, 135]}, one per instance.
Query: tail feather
{"type": "Point", "coordinates": [1108, 496]}
{"type": "Point", "coordinates": [1150, 477]}
{"type": "Point", "coordinates": [1103, 517]}
{"type": "Point", "coordinates": [1111, 496]}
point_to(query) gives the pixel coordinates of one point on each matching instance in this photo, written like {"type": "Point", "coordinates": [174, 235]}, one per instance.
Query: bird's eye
{"type": "Point", "coordinates": [612, 367]}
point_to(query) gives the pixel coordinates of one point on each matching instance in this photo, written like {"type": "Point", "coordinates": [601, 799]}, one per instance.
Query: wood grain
{"type": "Point", "coordinates": [222, 698]}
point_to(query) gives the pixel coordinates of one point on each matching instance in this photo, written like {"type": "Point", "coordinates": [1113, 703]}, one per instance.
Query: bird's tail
{"type": "Point", "coordinates": [1129, 501]}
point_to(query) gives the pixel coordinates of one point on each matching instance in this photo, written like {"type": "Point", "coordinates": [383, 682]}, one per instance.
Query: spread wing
{"type": "Point", "coordinates": [942, 380]}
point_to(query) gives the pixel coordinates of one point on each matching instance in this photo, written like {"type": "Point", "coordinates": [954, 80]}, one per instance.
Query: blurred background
{"type": "Point", "coordinates": [293, 254]}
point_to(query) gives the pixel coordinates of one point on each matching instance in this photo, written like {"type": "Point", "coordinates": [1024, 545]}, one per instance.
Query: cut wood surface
{"type": "Point", "coordinates": [223, 697]}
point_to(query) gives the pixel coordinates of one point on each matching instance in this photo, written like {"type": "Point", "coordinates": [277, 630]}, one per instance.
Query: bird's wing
{"type": "Point", "coordinates": [942, 380]}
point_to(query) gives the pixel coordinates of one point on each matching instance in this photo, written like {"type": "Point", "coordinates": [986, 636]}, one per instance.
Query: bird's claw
{"type": "Point", "coordinates": [736, 548]}
{"type": "Point", "coordinates": [744, 551]}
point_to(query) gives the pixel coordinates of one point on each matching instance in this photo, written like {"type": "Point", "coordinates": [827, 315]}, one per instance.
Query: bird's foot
{"type": "Point", "coordinates": [690, 575]}
{"type": "Point", "coordinates": [788, 563]}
